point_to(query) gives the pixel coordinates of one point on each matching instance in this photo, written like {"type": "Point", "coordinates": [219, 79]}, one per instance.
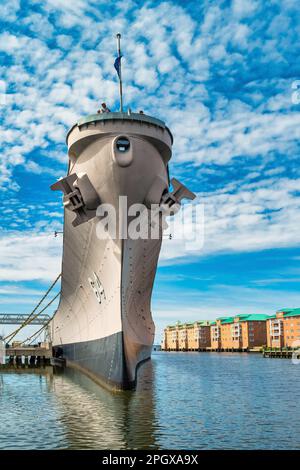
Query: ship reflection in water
{"type": "Point", "coordinates": [58, 409]}
{"type": "Point", "coordinates": [96, 418]}
{"type": "Point", "coordinates": [186, 401]}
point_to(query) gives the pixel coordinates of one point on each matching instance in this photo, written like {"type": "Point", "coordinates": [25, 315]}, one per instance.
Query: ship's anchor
{"type": "Point", "coordinates": [171, 202]}
{"type": "Point", "coordinates": [80, 196]}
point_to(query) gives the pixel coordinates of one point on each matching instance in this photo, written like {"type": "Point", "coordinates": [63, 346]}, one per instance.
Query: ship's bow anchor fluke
{"type": "Point", "coordinates": [172, 201]}
{"type": "Point", "coordinates": [80, 196]}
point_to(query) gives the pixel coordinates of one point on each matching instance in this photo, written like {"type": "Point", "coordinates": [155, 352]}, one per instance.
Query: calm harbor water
{"type": "Point", "coordinates": [184, 401]}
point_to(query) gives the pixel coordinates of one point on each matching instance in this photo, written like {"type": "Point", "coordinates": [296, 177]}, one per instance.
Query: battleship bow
{"type": "Point", "coordinates": [103, 325]}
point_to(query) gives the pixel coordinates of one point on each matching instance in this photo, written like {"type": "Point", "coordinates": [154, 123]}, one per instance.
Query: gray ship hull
{"type": "Point", "coordinates": [103, 360]}
{"type": "Point", "coordinates": [103, 325]}
{"type": "Point", "coordinates": [110, 359]}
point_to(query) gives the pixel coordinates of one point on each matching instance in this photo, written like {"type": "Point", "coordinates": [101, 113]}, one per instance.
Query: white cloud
{"type": "Point", "coordinates": [30, 256]}
{"type": "Point", "coordinates": [9, 10]}
{"type": "Point", "coordinates": [177, 60]}
{"type": "Point", "coordinates": [220, 300]}
{"type": "Point", "coordinates": [64, 41]}
{"type": "Point", "coordinates": [17, 290]}
{"type": "Point", "coordinates": [37, 169]}
{"type": "Point", "coordinates": [243, 8]}
{"type": "Point", "coordinates": [162, 54]}
{"type": "Point", "coordinates": [39, 25]}
{"type": "Point", "coordinates": [10, 43]}
{"type": "Point", "coordinates": [260, 216]}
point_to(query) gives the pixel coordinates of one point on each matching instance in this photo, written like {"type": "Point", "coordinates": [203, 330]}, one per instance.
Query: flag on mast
{"type": "Point", "coordinates": [117, 65]}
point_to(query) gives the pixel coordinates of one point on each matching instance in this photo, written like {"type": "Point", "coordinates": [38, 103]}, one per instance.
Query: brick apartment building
{"type": "Point", "coordinates": [283, 329]}
{"type": "Point", "coordinates": [187, 336]}
{"type": "Point", "coordinates": [201, 338]}
{"type": "Point", "coordinates": [236, 333]}
{"type": "Point", "coordinates": [215, 334]}
{"type": "Point", "coordinates": [239, 333]}
{"type": "Point", "coordinates": [170, 341]}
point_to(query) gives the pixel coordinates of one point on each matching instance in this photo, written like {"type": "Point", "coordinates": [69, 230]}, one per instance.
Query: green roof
{"type": "Point", "coordinates": [295, 313]}
{"type": "Point", "coordinates": [225, 320]}
{"type": "Point", "coordinates": [290, 312]}
{"type": "Point", "coordinates": [242, 317]}
{"type": "Point", "coordinates": [253, 317]}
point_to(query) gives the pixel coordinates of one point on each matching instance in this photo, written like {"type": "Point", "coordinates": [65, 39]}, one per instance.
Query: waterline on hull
{"type": "Point", "coordinates": [104, 361]}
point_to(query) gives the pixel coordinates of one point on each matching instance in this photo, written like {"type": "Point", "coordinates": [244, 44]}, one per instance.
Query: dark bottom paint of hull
{"type": "Point", "coordinates": [103, 360]}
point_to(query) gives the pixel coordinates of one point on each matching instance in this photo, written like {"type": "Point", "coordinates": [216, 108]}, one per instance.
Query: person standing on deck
{"type": "Point", "coordinates": [103, 109]}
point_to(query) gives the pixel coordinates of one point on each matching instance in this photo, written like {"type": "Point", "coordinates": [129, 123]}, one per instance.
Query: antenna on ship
{"type": "Point", "coordinates": [117, 66]}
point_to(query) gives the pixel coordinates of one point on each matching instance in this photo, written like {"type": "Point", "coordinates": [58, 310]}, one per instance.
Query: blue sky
{"type": "Point", "coordinates": [220, 74]}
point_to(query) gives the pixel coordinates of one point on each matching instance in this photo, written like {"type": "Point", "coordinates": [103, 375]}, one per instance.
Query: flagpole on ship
{"type": "Point", "coordinates": [120, 71]}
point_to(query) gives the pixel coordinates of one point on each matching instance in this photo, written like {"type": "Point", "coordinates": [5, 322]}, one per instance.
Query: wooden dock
{"type": "Point", "coordinates": [28, 351]}
{"type": "Point", "coordinates": [282, 354]}
{"type": "Point", "coordinates": [27, 356]}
